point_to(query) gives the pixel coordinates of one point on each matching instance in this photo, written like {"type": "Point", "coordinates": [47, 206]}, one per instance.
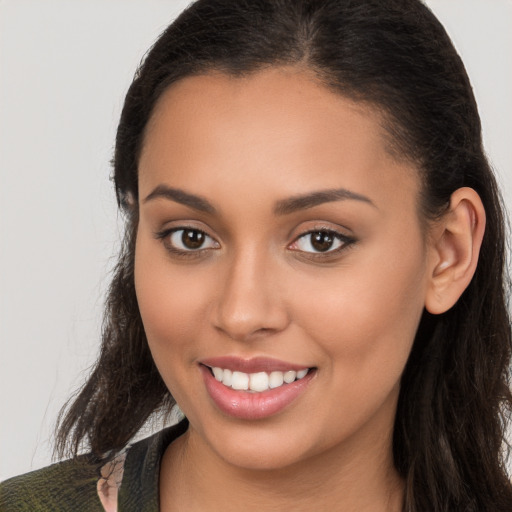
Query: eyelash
{"type": "Point", "coordinates": [165, 236]}
{"type": "Point", "coordinates": [344, 241]}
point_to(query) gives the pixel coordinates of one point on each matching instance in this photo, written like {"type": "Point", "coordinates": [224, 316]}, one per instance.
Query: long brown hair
{"type": "Point", "coordinates": [455, 399]}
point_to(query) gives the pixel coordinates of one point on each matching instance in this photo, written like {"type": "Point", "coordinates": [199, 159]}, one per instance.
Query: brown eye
{"type": "Point", "coordinates": [189, 239]}
{"type": "Point", "coordinates": [192, 239]}
{"type": "Point", "coordinates": [321, 241]}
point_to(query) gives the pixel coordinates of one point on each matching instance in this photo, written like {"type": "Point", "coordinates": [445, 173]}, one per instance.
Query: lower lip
{"type": "Point", "coordinates": [253, 406]}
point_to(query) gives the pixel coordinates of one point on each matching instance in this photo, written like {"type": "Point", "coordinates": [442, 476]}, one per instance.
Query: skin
{"type": "Point", "coordinates": [257, 289]}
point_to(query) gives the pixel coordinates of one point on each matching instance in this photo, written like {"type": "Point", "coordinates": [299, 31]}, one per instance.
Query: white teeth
{"type": "Point", "coordinates": [227, 377]}
{"type": "Point", "coordinates": [289, 377]}
{"type": "Point", "coordinates": [240, 381]}
{"type": "Point", "coordinates": [218, 373]}
{"type": "Point", "coordinates": [257, 382]}
{"type": "Point", "coordinates": [275, 380]}
{"type": "Point", "coordinates": [302, 373]}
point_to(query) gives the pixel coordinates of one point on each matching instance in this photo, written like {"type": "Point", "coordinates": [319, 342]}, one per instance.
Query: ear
{"type": "Point", "coordinates": [455, 245]}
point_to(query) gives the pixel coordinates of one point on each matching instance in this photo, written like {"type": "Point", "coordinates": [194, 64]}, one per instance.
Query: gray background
{"type": "Point", "coordinates": [64, 68]}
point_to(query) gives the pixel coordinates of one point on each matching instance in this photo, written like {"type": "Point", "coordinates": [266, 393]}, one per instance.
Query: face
{"type": "Point", "coordinates": [279, 248]}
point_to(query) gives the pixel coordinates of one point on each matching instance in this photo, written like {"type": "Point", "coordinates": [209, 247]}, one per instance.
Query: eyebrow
{"type": "Point", "coordinates": [282, 207]}
{"type": "Point", "coordinates": [310, 200]}
{"type": "Point", "coordinates": [180, 196]}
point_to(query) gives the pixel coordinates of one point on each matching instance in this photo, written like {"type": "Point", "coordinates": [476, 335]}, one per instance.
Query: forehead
{"type": "Point", "coordinates": [276, 127]}
{"type": "Point", "coordinates": [279, 101]}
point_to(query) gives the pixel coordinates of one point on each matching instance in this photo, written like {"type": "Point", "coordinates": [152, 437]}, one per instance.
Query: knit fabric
{"type": "Point", "coordinates": [129, 483]}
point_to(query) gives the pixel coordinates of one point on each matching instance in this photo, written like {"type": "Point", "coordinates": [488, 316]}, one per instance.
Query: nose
{"type": "Point", "coordinates": [250, 303]}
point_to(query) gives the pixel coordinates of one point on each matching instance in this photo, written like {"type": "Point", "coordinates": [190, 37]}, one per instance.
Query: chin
{"type": "Point", "coordinates": [260, 445]}
{"type": "Point", "coordinates": [271, 456]}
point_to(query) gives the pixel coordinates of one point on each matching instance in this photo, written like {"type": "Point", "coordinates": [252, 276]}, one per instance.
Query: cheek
{"type": "Point", "coordinates": [366, 313]}
{"type": "Point", "coordinates": [171, 305]}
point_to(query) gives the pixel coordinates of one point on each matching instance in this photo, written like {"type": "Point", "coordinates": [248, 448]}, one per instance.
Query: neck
{"type": "Point", "coordinates": [194, 478]}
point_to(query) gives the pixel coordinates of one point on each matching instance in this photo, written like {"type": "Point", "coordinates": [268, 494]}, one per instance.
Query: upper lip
{"type": "Point", "coordinates": [252, 365]}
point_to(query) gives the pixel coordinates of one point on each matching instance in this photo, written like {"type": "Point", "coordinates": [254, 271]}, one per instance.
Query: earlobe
{"type": "Point", "coordinates": [455, 245]}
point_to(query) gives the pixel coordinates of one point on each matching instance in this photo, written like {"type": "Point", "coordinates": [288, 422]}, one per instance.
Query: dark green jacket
{"type": "Point", "coordinates": [72, 485]}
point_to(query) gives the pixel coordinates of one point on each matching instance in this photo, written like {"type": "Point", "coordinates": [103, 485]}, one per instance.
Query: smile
{"type": "Point", "coordinates": [254, 389]}
{"type": "Point", "coordinates": [256, 382]}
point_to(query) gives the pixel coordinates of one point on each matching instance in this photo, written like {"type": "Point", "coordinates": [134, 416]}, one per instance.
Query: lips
{"type": "Point", "coordinates": [255, 388]}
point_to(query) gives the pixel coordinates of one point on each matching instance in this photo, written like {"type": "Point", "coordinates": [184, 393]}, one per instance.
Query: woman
{"type": "Point", "coordinates": [312, 270]}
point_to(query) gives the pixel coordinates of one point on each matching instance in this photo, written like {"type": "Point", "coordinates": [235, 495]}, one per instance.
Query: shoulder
{"type": "Point", "coordinates": [59, 487]}
{"type": "Point", "coordinates": [139, 489]}
{"type": "Point", "coordinates": [78, 484]}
